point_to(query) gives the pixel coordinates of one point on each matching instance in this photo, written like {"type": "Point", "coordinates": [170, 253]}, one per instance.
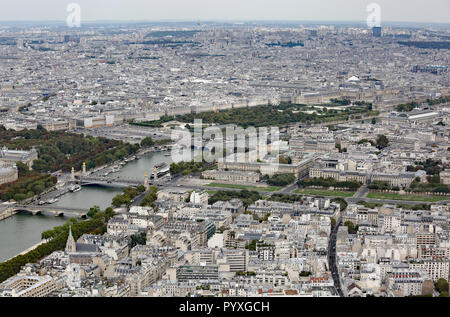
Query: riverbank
{"type": "Point", "coordinates": [58, 240]}
{"type": "Point", "coordinates": [160, 148]}
{"type": "Point", "coordinates": [20, 231]}
{"type": "Point", "coordinates": [109, 168]}
{"type": "Point", "coordinates": [6, 213]}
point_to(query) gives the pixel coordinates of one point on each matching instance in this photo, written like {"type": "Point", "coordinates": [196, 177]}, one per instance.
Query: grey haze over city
{"type": "Point", "coordinates": [245, 10]}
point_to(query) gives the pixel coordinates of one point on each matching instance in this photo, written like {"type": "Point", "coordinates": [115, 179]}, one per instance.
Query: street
{"type": "Point", "coordinates": [332, 259]}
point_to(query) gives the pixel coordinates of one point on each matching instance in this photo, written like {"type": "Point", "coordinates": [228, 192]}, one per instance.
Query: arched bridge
{"type": "Point", "coordinates": [109, 181]}
{"type": "Point", "coordinates": [53, 211]}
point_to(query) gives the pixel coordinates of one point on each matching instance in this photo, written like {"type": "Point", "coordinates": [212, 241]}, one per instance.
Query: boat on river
{"type": "Point", "coordinates": [130, 159]}
{"type": "Point", "coordinates": [74, 188]}
{"type": "Point", "coordinates": [161, 169]}
{"type": "Point", "coordinates": [52, 201]}
{"type": "Point", "coordinates": [116, 168]}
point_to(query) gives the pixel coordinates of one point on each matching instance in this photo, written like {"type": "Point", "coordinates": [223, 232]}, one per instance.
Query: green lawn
{"type": "Point", "coordinates": [324, 192]}
{"type": "Point", "coordinates": [257, 188]}
{"type": "Point", "coordinates": [391, 196]}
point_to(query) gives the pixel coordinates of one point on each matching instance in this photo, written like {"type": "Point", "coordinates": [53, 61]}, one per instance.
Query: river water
{"type": "Point", "coordinates": [22, 231]}
{"type": "Point", "coordinates": [19, 232]}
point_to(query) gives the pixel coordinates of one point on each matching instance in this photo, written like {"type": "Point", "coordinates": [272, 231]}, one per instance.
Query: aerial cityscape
{"type": "Point", "coordinates": [202, 158]}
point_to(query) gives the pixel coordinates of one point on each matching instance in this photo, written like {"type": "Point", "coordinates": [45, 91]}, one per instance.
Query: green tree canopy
{"type": "Point", "coordinates": [382, 141]}
{"type": "Point", "coordinates": [147, 142]}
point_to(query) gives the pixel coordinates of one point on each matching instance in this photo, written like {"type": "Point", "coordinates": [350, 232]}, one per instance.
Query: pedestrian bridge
{"type": "Point", "coordinates": [53, 211]}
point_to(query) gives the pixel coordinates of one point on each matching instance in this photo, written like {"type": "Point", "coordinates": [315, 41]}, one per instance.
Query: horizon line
{"type": "Point", "coordinates": [221, 21]}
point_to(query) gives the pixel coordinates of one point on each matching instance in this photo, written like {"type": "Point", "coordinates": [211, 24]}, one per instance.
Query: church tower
{"type": "Point", "coordinates": [70, 245]}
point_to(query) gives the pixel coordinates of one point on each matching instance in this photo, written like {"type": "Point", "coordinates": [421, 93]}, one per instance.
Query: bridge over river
{"type": "Point", "coordinates": [109, 181]}
{"type": "Point", "coordinates": [49, 210]}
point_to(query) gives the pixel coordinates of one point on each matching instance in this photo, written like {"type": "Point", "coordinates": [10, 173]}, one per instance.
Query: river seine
{"type": "Point", "coordinates": [22, 231]}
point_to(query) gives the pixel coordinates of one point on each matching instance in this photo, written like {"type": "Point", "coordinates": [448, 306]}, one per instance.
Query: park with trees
{"type": "Point", "coordinates": [247, 197]}
{"type": "Point", "coordinates": [271, 115]}
{"type": "Point", "coordinates": [279, 179]}
{"type": "Point", "coordinates": [191, 167]}
{"type": "Point", "coordinates": [58, 150]}
{"type": "Point", "coordinates": [27, 186]}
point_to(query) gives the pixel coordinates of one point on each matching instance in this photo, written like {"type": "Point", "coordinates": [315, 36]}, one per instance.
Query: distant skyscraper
{"type": "Point", "coordinates": [376, 31]}
{"type": "Point", "coordinates": [19, 43]}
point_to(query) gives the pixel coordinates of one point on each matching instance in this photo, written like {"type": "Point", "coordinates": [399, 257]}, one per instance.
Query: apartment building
{"type": "Point", "coordinates": [28, 286]}
{"type": "Point", "coordinates": [435, 268]}
{"type": "Point", "coordinates": [406, 283]}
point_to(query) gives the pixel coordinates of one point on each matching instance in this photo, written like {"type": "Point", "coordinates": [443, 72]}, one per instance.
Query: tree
{"type": "Point", "coordinates": [351, 227]}
{"type": "Point", "coordinates": [150, 197]}
{"type": "Point", "coordinates": [93, 211]}
{"type": "Point", "coordinates": [374, 121]}
{"type": "Point", "coordinates": [138, 239]}
{"type": "Point", "coordinates": [442, 285]}
{"type": "Point", "coordinates": [140, 188]}
{"type": "Point", "coordinates": [22, 169]}
{"type": "Point", "coordinates": [247, 197]}
{"type": "Point", "coordinates": [130, 192]}
{"type": "Point", "coordinates": [147, 142]}
{"type": "Point", "coordinates": [281, 179]}
{"type": "Point", "coordinates": [435, 179]}
{"type": "Point", "coordinates": [333, 222]}
{"type": "Point", "coordinates": [285, 160]}
{"type": "Point", "coordinates": [379, 185]}
{"type": "Point", "coordinates": [252, 245]}
{"type": "Point", "coordinates": [382, 141]}
{"type": "Point", "coordinates": [305, 273]}
{"type": "Point", "coordinates": [120, 200]}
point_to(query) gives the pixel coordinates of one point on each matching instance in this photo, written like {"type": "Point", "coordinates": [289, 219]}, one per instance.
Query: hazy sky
{"type": "Point", "coordinates": [193, 10]}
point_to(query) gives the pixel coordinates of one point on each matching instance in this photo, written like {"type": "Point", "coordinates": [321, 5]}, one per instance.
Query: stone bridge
{"type": "Point", "coordinates": [53, 211]}
{"type": "Point", "coordinates": [109, 181]}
